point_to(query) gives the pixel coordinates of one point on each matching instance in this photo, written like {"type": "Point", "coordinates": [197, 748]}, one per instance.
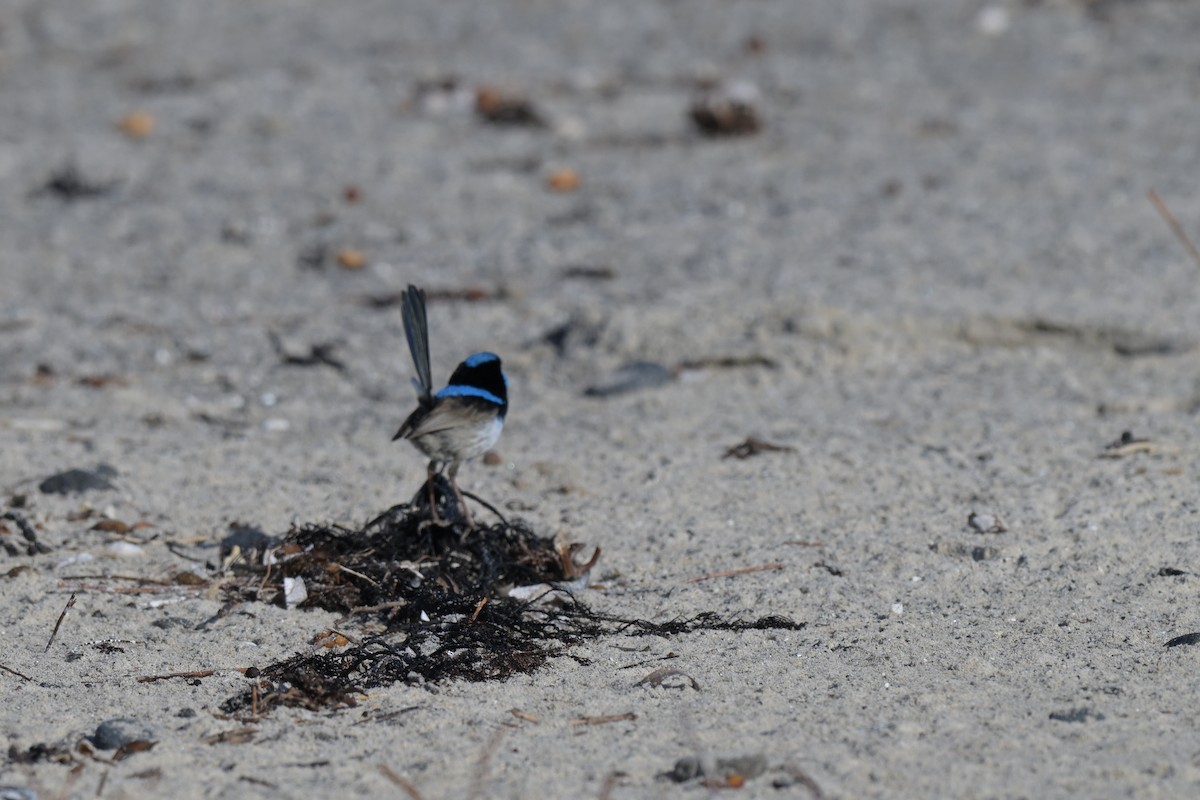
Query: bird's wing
{"type": "Point", "coordinates": [450, 412]}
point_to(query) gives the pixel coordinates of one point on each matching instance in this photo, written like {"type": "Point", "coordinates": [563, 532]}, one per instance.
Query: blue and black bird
{"type": "Point", "coordinates": [463, 420]}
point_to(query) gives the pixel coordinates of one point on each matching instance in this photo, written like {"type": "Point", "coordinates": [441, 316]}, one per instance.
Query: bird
{"type": "Point", "coordinates": [460, 422]}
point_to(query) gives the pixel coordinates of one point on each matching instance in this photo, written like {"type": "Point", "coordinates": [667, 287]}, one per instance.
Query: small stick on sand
{"type": "Point", "coordinates": [203, 673]}
{"type": "Point", "coordinates": [725, 573]}
{"type": "Point", "coordinates": [1174, 225]}
{"type": "Point", "coordinates": [610, 783]}
{"type": "Point", "coordinates": [12, 671]}
{"type": "Point", "coordinates": [402, 782]}
{"type": "Point", "coordinates": [58, 624]}
{"type": "Point", "coordinates": [628, 715]}
{"type": "Point", "coordinates": [525, 715]}
{"type": "Point", "coordinates": [484, 763]}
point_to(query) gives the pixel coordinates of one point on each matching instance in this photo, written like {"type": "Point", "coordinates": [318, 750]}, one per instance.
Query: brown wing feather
{"type": "Point", "coordinates": [451, 412]}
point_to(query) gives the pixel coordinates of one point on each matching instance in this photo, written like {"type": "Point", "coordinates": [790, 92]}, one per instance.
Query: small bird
{"type": "Point", "coordinates": [463, 420]}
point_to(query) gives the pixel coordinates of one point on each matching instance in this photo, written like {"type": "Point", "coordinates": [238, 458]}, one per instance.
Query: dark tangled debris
{"type": "Point", "coordinates": [437, 603]}
{"type": "Point", "coordinates": [68, 184]}
{"type": "Point", "coordinates": [727, 110]}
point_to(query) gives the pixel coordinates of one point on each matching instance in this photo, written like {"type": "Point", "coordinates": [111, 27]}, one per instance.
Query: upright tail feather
{"type": "Point", "coordinates": [416, 330]}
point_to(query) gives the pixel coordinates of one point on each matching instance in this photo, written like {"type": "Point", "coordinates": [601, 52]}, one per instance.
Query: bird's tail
{"type": "Point", "coordinates": [416, 330]}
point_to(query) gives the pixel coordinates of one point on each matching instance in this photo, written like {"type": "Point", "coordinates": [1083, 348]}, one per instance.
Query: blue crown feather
{"type": "Point", "coordinates": [475, 359]}
{"type": "Point", "coordinates": [460, 390]}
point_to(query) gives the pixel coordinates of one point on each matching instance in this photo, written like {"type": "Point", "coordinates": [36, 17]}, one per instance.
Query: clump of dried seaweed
{"type": "Point", "coordinates": [435, 601]}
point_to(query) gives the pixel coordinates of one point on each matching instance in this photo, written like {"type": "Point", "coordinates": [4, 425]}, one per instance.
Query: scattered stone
{"type": "Point", "coordinates": [563, 180]}
{"type": "Point", "coordinates": [349, 258]}
{"type": "Point", "coordinates": [69, 185]}
{"type": "Point", "coordinates": [17, 793]}
{"type": "Point", "coordinates": [123, 550]}
{"type": "Point", "coordinates": [631, 377]}
{"type": "Point", "coordinates": [975, 552]}
{"type": "Point", "coordinates": [137, 124]}
{"type": "Point", "coordinates": [120, 731]}
{"type": "Point", "coordinates": [33, 546]}
{"type": "Point", "coordinates": [170, 623]}
{"type": "Point", "coordinates": [1081, 714]}
{"type": "Point", "coordinates": [80, 480]}
{"type": "Point", "coordinates": [501, 107]}
{"type": "Point", "coordinates": [986, 523]}
{"type": "Point", "coordinates": [686, 769]}
{"type": "Point", "coordinates": [727, 110]}
{"type": "Point", "coordinates": [294, 592]}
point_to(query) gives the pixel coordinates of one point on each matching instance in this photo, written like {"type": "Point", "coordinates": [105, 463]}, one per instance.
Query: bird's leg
{"type": "Point", "coordinates": [452, 473]}
{"type": "Point", "coordinates": [432, 472]}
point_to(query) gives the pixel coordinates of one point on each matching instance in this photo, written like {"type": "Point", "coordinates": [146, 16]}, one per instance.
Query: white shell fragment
{"type": "Point", "coordinates": [294, 592]}
{"type": "Point", "coordinates": [123, 550]}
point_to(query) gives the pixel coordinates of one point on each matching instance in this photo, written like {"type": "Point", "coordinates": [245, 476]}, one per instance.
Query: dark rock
{"type": "Point", "coordinates": [168, 623]}
{"type": "Point", "coordinates": [80, 480]}
{"type": "Point", "coordinates": [1081, 714]}
{"type": "Point", "coordinates": [686, 769]}
{"type": "Point", "coordinates": [631, 378]}
{"type": "Point", "coordinates": [115, 733]}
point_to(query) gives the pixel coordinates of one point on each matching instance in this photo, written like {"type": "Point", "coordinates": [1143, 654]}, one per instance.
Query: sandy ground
{"type": "Point", "coordinates": [937, 264]}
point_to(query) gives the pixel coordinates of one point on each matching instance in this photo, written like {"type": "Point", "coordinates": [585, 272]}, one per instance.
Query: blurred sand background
{"type": "Point", "coordinates": [936, 275]}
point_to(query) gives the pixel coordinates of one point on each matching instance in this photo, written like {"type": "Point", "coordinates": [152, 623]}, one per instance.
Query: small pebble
{"type": "Point", "coordinates": [630, 378]}
{"type": "Point", "coordinates": [993, 20]}
{"type": "Point", "coordinates": [351, 259]}
{"type": "Point", "coordinates": [563, 180]}
{"type": "Point", "coordinates": [686, 769]}
{"type": "Point", "coordinates": [80, 480]}
{"type": "Point", "coordinates": [120, 731]}
{"type": "Point", "coordinates": [123, 550]}
{"type": "Point", "coordinates": [137, 124]}
{"type": "Point", "coordinates": [17, 793]}
{"type": "Point", "coordinates": [986, 523]}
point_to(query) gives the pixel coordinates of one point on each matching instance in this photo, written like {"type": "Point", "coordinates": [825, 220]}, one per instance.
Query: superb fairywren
{"type": "Point", "coordinates": [461, 421]}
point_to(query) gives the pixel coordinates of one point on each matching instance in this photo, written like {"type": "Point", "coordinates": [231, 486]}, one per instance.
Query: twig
{"type": "Point", "coordinates": [486, 505]}
{"type": "Point", "coordinates": [203, 673]}
{"type": "Point", "coordinates": [725, 573]}
{"type": "Point", "coordinates": [58, 624]}
{"type": "Point", "coordinates": [134, 578]}
{"type": "Point", "coordinates": [525, 715]}
{"type": "Point", "coordinates": [344, 568]}
{"type": "Point", "coordinates": [12, 671]}
{"type": "Point", "coordinates": [266, 577]}
{"type": "Point", "coordinates": [753, 446]}
{"type": "Point", "coordinates": [96, 587]}
{"type": "Point", "coordinates": [379, 607]}
{"type": "Point", "coordinates": [402, 782]}
{"type": "Point", "coordinates": [478, 607]}
{"type": "Point", "coordinates": [1174, 225]}
{"type": "Point", "coordinates": [484, 763]}
{"type": "Point", "coordinates": [610, 783]}
{"type": "Point", "coordinates": [628, 715]}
